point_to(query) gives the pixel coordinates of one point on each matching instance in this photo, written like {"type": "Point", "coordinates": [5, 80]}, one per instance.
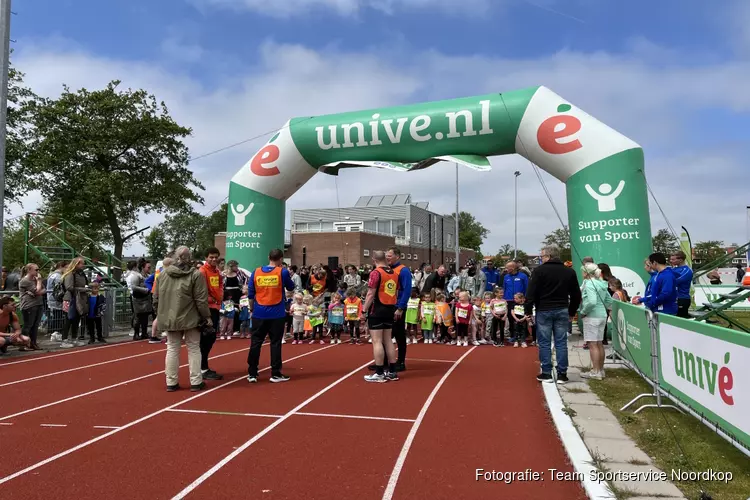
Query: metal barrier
{"type": "Point", "coordinates": [689, 363]}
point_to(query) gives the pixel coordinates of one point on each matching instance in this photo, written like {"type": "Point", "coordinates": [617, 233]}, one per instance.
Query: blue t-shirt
{"type": "Point", "coordinates": [336, 314]}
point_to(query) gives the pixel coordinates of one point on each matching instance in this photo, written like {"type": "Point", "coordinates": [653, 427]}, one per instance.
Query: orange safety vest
{"type": "Point", "coordinates": [397, 272]}
{"type": "Point", "coordinates": [353, 308]}
{"type": "Point", "coordinates": [318, 286]}
{"type": "Point", "coordinates": [388, 289]}
{"type": "Point", "coordinates": [269, 290]}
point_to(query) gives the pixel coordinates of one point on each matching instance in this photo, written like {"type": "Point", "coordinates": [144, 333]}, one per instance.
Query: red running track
{"type": "Point", "coordinates": [327, 432]}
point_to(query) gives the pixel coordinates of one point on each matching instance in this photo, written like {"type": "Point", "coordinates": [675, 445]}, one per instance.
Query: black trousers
{"type": "Point", "coordinates": [274, 328]}
{"type": "Point", "coordinates": [140, 324]}
{"type": "Point", "coordinates": [683, 305]}
{"type": "Point", "coordinates": [398, 332]}
{"type": "Point", "coordinates": [94, 325]}
{"type": "Point", "coordinates": [498, 326]}
{"type": "Point", "coordinates": [511, 318]}
{"type": "Point", "coordinates": [207, 341]}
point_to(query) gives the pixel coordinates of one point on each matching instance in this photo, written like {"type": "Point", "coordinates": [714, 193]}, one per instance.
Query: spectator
{"type": "Point", "coordinates": [32, 302]}
{"type": "Point", "coordinates": [435, 281]}
{"type": "Point", "coordinates": [10, 329]}
{"type": "Point", "coordinates": [493, 276]}
{"type": "Point", "coordinates": [684, 280]}
{"type": "Point", "coordinates": [555, 294]}
{"type": "Point", "coordinates": [181, 300]}
{"type": "Point", "coordinates": [142, 301]}
{"type": "Point", "coordinates": [740, 273]}
{"type": "Point", "coordinates": [55, 294]}
{"type": "Point", "coordinates": [662, 295]}
{"type": "Point", "coordinates": [75, 302]}
{"type": "Point", "coordinates": [594, 310]}
{"type": "Point", "coordinates": [514, 282]}
{"type": "Point", "coordinates": [97, 307]}
{"type": "Point", "coordinates": [296, 279]}
{"type": "Point", "coordinates": [215, 284]}
{"type": "Point", "coordinates": [233, 291]}
{"type": "Point", "coordinates": [352, 279]}
{"type": "Point", "coordinates": [12, 280]}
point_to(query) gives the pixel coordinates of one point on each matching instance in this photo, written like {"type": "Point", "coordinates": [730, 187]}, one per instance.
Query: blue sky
{"type": "Point", "coordinates": [671, 74]}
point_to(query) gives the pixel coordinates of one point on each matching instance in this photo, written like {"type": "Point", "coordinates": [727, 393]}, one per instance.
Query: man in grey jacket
{"type": "Point", "coordinates": [182, 307]}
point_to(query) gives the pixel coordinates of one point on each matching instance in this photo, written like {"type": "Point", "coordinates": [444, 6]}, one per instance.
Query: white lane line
{"type": "Point", "coordinates": [136, 422]}
{"type": "Point", "coordinates": [213, 470]}
{"type": "Point", "coordinates": [432, 360]}
{"type": "Point", "coordinates": [391, 488]}
{"type": "Point", "coordinates": [75, 351]}
{"type": "Point", "coordinates": [361, 417]}
{"type": "Point", "coordinates": [209, 412]}
{"type": "Point", "coordinates": [77, 396]}
{"type": "Point", "coordinates": [82, 367]}
{"type": "Point", "coordinates": [6, 423]}
{"type": "Point", "coordinates": [53, 425]}
{"type": "Point", "coordinates": [106, 427]}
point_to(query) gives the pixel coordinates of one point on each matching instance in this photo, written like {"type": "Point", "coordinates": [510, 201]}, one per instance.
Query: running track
{"type": "Point", "coordinates": [96, 423]}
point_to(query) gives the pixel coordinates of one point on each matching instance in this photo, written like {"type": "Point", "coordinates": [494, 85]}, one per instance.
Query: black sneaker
{"type": "Point", "coordinates": [102, 340]}
{"type": "Point", "coordinates": [562, 378]}
{"type": "Point", "coordinates": [544, 377]}
{"type": "Point", "coordinates": [253, 379]}
{"type": "Point", "coordinates": [391, 376]}
{"type": "Point", "coordinates": [172, 388]}
{"type": "Point", "coordinates": [212, 375]}
{"type": "Point", "coordinates": [154, 340]}
{"type": "Point", "coordinates": [279, 378]}
{"type": "Point", "coordinates": [92, 341]}
{"type": "Point", "coordinates": [196, 388]}
{"type": "Point", "coordinates": [498, 344]}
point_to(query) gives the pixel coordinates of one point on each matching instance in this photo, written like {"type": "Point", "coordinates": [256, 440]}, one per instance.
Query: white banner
{"type": "Point", "coordinates": [711, 293]}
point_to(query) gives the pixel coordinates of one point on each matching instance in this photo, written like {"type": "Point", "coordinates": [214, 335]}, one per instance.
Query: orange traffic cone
{"type": "Point", "coordinates": [746, 279]}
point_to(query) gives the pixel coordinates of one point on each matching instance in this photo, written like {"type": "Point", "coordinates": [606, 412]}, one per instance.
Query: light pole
{"type": "Point", "coordinates": [4, 55]}
{"type": "Point", "coordinates": [515, 217]}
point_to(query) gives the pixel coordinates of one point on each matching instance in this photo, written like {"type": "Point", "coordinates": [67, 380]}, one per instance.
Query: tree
{"type": "Point", "coordinates": [13, 244]}
{"type": "Point", "coordinates": [505, 255]}
{"type": "Point", "coordinates": [560, 238]}
{"type": "Point", "coordinates": [194, 230]}
{"type": "Point", "coordinates": [471, 232]}
{"type": "Point", "coordinates": [156, 243]}
{"type": "Point", "coordinates": [665, 242]}
{"type": "Point", "coordinates": [107, 156]}
{"type": "Point", "coordinates": [707, 251]}
{"type": "Point", "coordinates": [18, 133]}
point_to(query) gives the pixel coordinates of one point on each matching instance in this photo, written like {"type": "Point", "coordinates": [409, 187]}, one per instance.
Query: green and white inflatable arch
{"type": "Point", "coordinates": [602, 169]}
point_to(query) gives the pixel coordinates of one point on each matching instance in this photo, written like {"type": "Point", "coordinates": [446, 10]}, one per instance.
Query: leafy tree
{"type": "Point", "coordinates": [665, 242]}
{"type": "Point", "coordinates": [18, 133]}
{"type": "Point", "coordinates": [560, 238]}
{"type": "Point", "coordinates": [505, 250]}
{"type": "Point", "coordinates": [182, 228]}
{"type": "Point", "coordinates": [156, 243]}
{"type": "Point", "coordinates": [214, 223]}
{"type": "Point", "coordinates": [471, 232]}
{"type": "Point", "coordinates": [707, 251]}
{"type": "Point", "coordinates": [505, 255]}
{"type": "Point", "coordinates": [13, 244]}
{"type": "Point", "coordinates": [107, 156]}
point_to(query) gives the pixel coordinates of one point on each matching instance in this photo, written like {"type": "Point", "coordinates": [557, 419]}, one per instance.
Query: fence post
{"type": "Point", "coordinates": [109, 317]}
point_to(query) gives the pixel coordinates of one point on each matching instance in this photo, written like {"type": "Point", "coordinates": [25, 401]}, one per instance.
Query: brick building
{"type": "Point", "coordinates": [349, 235]}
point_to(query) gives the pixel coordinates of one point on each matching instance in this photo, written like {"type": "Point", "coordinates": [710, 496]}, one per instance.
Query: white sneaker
{"type": "Point", "coordinates": [67, 344]}
{"type": "Point", "coordinates": [393, 340]}
{"type": "Point", "coordinates": [333, 341]}
{"type": "Point", "coordinates": [283, 341]}
{"type": "Point", "coordinates": [515, 344]}
{"type": "Point", "coordinates": [375, 377]}
{"type": "Point", "coordinates": [408, 341]}
{"type": "Point", "coordinates": [414, 340]}
{"type": "Point", "coordinates": [523, 344]}
{"type": "Point", "coordinates": [369, 340]}
{"type": "Point", "coordinates": [475, 343]}
{"type": "Point", "coordinates": [338, 341]}
{"type": "Point", "coordinates": [596, 376]}
{"type": "Point", "coordinates": [466, 343]}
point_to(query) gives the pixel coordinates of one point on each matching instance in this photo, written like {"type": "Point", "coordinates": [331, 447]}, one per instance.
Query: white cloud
{"type": "Point", "coordinates": [647, 102]}
{"type": "Point", "coordinates": [348, 8]}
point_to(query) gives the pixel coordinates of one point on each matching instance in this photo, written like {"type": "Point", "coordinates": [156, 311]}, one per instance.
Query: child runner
{"type": "Point", "coordinates": [353, 308]}
{"type": "Point", "coordinates": [412, 317]}
{"type": "Point", "coordinates": [487, 318]}
{"type": "Point", "coordinates": [427, 318]}
{"type": "Point", "coordinates": [298, 318]}
{"type": "Point", "coordinates": [307, 300]}
{"type": "Point", "coordinates": [97, 306]}
{"type": "Point", "coordinates": [499, 314]}
{"type": "Point", "coordinates": [463, 319]}
{"type": "Point", "coordinates": [315, 313]}
{"type": "Point", "coordinates": [522, 325]}
{"type": "Point", "coordinates": [245, 321]}
{"type": "Point", "coordinates": [336, 318]}
{"type": "Point", "coordinates": [477, 326]}
{"type": "Point", "coordinates": [227, 319]}
{"type": "Point", "coordinates": [444, 319]}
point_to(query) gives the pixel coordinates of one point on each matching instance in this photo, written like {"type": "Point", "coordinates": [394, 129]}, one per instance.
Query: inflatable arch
{"type": "Point", "coordinates": [608, 212]}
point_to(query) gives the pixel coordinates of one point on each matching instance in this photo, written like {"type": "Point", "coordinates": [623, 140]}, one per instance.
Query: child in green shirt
{"type": "Point", "coordinates": [412, 317]}
{"type": "Point", "coordinates": [427, 317]}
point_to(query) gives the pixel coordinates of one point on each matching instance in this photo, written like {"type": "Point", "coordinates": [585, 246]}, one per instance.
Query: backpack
{"type": "Point", "coordinates": [58, 291]}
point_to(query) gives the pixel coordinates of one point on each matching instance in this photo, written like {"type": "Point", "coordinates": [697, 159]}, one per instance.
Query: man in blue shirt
{"type": "Point", "coordinates": [393, 257]}
{"type": "Point", "coordinates": [662, 296]}
{"type": "Point", "coordinates": [493, 276]}
{"type": "Point", "coordinates": [514, 282]}
{"type": "Point", "coordinates": [265, 289]}
{"type": "Point", "coordinates": [684, 279]}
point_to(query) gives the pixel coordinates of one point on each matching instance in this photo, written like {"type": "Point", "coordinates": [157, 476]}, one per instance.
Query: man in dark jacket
{"type": "Point", "coordinates": [556, 295]}
{"type": "Point", "coordinates": [435, 281]}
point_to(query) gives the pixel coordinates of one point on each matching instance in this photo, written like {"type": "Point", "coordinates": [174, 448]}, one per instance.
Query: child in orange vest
{"type": "Point", "coordinates": [353, 308]}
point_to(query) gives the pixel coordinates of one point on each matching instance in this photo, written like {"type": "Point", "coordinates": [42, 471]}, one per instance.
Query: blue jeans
{"type": "Point", "coordinates": [549, 324]}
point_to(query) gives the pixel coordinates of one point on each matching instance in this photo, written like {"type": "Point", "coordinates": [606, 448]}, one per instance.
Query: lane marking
{"type": "Point", "coordinates": [192, 486]}
{"type": "Point", "coordinates": [432, 360]}
{"type": "Point", "coordinates": [6, 423]}
{"type": "Point", "coordinates": [361, 417]}
{"type": "Point", "coordinates": [393, 480]}
{"type": "Point", "coordinates": [106, 427]}
{"type": "Point", "coordinates": [53, 425]}
{"type": "Point", "coordinates": [82, 367]}
{"type": "Point", "coordinates": [71, 398]}
{"type": "Point", "coordinates": [138, 421]}
{"type": "Point", "coordinates": [74, 351]}
{"type": "Point", "coordinates": [210, 412]}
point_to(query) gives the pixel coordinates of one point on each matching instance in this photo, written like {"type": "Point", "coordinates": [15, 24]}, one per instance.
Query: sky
{"type": "Point", "coordinates": [672, 75]}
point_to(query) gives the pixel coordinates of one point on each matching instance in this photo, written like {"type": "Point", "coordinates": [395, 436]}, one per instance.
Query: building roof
{"type": "Point", "coordinates": [383, 200]}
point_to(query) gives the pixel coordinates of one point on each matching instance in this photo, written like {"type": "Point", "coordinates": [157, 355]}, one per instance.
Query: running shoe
{"type": "Point", "coordinates": [279, 377]}
{"type": "Point", "coordinates": [375, 377]}
{"type": "Point", "coordinates": [391, 376]}
{"type": "Point", "coordinates": [251, 379]}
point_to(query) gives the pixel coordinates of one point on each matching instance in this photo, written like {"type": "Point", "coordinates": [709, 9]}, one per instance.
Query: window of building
{"type": "Point", "coordinates": [371, 226]}
{"type": "Point", "coordinates": [408, 256]}
{"type": "Point", "coordinates": [326, 226]}
{"type": "Point", "coordinates": [384, 226]}
{"type": "Point", "coordinates": [314, 227]}
{"type": "Point", "coordinates": [399, 228]}
{"type": "Point", "coordinates": [414, 257]}
{"type": "Point", "coordinates": [417, 233]}
{"type": "Point", "coordinates": [449, 243]}
{"type": "Point", "coordinates": [366, 252]}
{"type": "Point", "coordinates": [301, 226]}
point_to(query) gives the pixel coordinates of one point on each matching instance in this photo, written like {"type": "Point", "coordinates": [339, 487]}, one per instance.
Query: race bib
{"type": "Point", "coordinates": [413, 305]}
{"type": "Point", "coordinates": [337, 312]}
{"type": "Point", "coordinates": [352, 310]}
{"type": "Point", "coordinates": [500, 308]}
{"type": "Point", "coordinates": [462, 313]}
{"type": "Point", "coordinates": [245, 302]}
{"type": "Point", "coordinates": [519, 310]}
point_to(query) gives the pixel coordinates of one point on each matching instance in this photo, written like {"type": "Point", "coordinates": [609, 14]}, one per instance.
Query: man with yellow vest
{"type": "Point", "coordinates": [265, 291]}
{"type": "Point", "coordinates": [393, 259]}
{"type": "Point", "coordinates": [380, 304]}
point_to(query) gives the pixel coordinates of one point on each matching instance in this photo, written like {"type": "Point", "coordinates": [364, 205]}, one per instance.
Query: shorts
{"type": "Point", "coordinates": [376, 323]}
{"type": "Point", "coordinates": [593, 329]}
